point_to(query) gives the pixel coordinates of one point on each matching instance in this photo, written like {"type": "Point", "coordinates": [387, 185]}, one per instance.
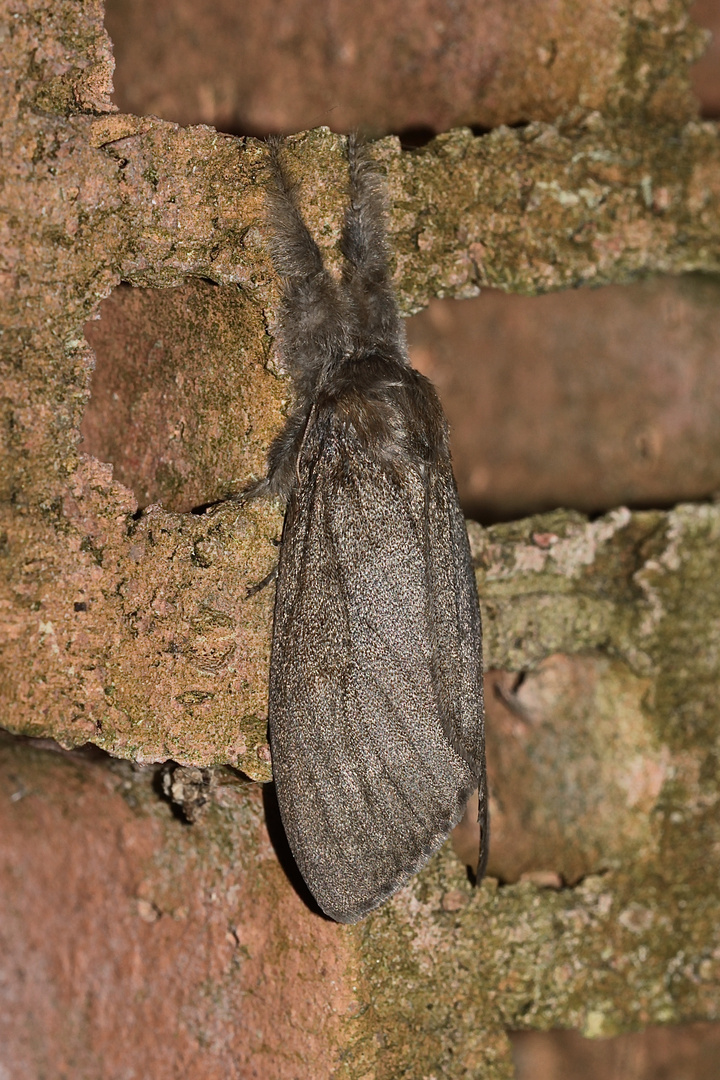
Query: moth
{"type": "Point", "coordinates": [375, 700]}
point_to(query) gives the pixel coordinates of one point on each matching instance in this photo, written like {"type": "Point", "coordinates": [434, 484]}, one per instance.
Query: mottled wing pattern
{"type": "Point", "coordinates": [376, 731]}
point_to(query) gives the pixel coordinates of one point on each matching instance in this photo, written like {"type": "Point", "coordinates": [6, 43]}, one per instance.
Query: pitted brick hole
{"type": "Point", "coordinates": [181, 403]}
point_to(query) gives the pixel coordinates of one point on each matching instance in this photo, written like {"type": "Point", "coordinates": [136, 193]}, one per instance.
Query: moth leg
{"type": "Point", "coordinates": [285, 450]}
{"type": "Point", "coordinates": [366, 275]}
{"type": "Point", "coordinates": [256, 490]}
{"type": "Point", "coordinates": [253, 589]}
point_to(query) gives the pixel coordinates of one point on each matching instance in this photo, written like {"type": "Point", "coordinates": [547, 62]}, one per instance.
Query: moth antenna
{"type": "Point", "coordinates": [366, 276]}
{"type": "Point", "coordinates": [313, 317]}
{"type": "Point", "coordinates": [294, 252]}
{"type": "Point", "coordinates": [364, 243]}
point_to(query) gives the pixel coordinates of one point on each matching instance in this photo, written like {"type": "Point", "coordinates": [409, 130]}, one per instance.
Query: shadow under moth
{"type": "Point", "coordinates": [375, 703]}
